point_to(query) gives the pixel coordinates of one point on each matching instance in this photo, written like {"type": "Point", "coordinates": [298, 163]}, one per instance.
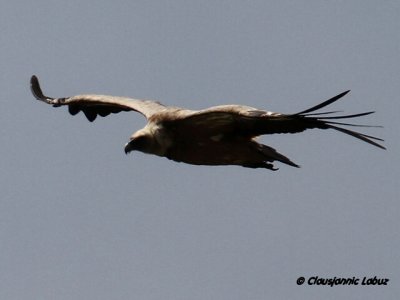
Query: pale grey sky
{"type": "Point", "coordinates": [81, 220]}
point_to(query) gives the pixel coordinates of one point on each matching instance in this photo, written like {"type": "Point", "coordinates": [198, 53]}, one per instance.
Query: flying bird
{"type": "Point", "coordinates": [219, 135]}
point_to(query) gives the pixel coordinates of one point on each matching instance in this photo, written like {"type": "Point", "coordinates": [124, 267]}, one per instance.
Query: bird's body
{"type": "Point", "coordinates": [220, 135]}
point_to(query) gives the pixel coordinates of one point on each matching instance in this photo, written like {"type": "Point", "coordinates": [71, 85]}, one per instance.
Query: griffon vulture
{"type": "Point", "coordinates": [220, 135]}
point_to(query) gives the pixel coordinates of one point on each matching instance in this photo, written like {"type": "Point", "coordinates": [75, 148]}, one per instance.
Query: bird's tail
{"type": "Point", "coordinates": [324, 120]}
{"type": "Point", "coordinates": [271, 155]}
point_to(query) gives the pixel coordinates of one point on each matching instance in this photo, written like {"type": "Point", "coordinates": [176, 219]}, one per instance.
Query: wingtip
{"type": "Point", "coordinates": [34, 78]}
{"type": "Point", "coordinates": [323, 104]}
{"type": "Point", "coordinates": [35, 88]}
{"type": "Point", "coordinates": [345, 93]}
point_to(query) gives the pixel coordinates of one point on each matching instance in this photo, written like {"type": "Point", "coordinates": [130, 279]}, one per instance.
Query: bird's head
{"type": "Point", "coordinates": [143, 141]}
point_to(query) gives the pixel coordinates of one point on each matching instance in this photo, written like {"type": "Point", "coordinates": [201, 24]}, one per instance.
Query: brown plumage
{"type": "Point", "coordinates": [220, 135]}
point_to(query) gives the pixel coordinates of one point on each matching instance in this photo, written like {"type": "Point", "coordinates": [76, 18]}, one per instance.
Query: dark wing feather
{"type": "Point", "coordinates": [94, 105]}
{"type": "Point", "coordinates": [323, 104]}
{"type": "Point", "coordinates": [248, 121]}
{"type": "Point", "coordinates": [301, 121]}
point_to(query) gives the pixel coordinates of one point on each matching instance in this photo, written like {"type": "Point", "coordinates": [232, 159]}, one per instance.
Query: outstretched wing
{"type": "Point", "coordinates": [248, 121]}
{"type": "Point", "coordinates": [93, 105]}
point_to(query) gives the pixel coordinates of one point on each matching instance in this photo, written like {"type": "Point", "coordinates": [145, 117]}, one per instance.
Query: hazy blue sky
{"type": "Point", "coordinates": [81, 220]}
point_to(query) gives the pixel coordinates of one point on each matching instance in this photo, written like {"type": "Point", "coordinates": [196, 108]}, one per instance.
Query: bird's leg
{"type": "Point", "coordinates": [262, 164]}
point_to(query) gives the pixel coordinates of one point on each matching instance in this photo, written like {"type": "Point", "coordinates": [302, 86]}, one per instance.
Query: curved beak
{"type": "Point", "coordinates": [128, 147]}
